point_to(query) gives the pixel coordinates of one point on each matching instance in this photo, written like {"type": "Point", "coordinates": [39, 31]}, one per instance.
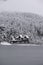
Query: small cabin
{"type": "Point", "coordinates": [26, 36]}
{"type": "Point", "coordinates": [19, 37]}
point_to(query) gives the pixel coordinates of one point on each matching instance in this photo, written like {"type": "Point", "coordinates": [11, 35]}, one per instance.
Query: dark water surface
{"type": "Point", "coordinates": [21, 55]}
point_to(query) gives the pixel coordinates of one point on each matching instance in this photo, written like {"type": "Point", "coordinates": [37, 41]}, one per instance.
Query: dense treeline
{"type": "Point", "coordinates": [21, 23]}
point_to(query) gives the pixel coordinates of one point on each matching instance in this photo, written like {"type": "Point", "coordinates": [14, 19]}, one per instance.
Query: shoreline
{"type": "Point", "coordinates": [18, 44]}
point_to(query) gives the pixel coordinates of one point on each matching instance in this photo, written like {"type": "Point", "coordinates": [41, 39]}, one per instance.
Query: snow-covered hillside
{"type": "Point", "coordinates": [22, 23]}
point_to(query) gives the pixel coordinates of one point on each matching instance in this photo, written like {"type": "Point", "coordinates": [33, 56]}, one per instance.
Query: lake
{"type": "Point", "coordinates": [21, 55]}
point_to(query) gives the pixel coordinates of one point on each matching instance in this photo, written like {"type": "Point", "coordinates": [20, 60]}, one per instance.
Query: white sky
{"type": "Point", "coordinates": [34, 6]}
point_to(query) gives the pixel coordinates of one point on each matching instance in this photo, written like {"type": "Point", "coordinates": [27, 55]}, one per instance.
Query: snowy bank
{"type": "Point", "coordinates": [5, 43]}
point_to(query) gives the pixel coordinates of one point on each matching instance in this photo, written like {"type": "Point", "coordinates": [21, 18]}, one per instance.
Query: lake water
{"type": "Point", "coordinates": [21, 55]}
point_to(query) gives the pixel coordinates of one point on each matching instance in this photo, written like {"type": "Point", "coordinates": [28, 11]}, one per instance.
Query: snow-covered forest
{"type": "Point", "coordinates": [21, 23]}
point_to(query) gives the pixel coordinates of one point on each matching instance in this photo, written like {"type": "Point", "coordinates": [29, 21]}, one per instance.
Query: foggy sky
{"type": "Point", "coordinates": [34, 6]}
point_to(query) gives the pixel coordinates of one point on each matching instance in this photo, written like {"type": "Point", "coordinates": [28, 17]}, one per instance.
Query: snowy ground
{"type": "Point", "coordinates": [5, 43]}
